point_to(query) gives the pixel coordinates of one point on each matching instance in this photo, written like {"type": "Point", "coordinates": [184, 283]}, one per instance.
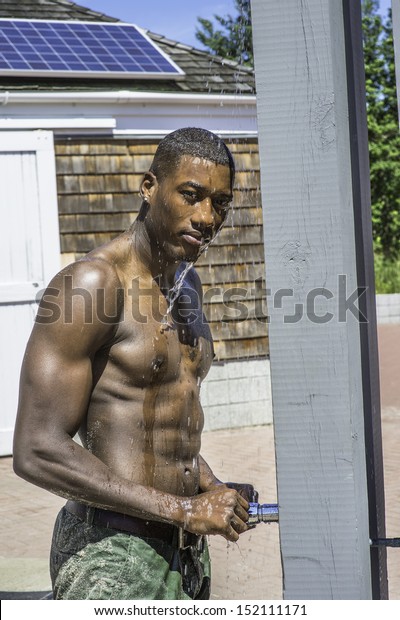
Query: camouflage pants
{"type": "Point", "coordinates": [89, 562]}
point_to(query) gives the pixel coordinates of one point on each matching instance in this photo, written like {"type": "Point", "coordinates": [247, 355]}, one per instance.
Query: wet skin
{"type": "Point", "coordinates": [108, 368]}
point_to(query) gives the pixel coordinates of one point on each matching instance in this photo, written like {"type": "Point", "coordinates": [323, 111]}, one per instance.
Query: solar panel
{"type": "Point", "coordinates": [81, 49]}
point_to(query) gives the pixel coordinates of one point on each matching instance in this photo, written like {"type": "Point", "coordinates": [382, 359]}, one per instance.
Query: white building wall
{"type": "Point", "coordinates": [388, 308]}
{"type": "Point", "coordinates": [237, 393]}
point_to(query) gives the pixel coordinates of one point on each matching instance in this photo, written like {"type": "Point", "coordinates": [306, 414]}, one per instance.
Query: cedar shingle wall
{"type": "Point", "coordinates": [98, 184]}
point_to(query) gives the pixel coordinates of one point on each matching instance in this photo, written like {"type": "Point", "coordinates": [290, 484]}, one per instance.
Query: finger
{"type": "Point", "coordinates": [247, 492]}
{"type": "Point", "coordinates": [239, 525]}
{"type": "Point", "coordinates": [241, 514]}
{"type": "Point", "coordinates": [243, 502]}
{"type": "Point", "coordinates": [231, 535]}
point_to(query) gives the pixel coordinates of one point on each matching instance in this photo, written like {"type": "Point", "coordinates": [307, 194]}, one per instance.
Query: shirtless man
{"type": "Point", "coordinates": [103, 362]}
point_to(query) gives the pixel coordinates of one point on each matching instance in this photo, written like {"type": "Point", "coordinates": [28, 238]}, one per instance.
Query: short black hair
{"type": "Point", "coordinates": [192, 141]}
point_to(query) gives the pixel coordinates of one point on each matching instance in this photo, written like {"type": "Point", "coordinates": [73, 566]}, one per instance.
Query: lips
{"type": "Point", "coordinates": [193, 239]}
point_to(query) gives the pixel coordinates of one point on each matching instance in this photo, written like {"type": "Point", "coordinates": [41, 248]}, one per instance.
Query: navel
{"type": "Point", "coordinates": [157, 363]}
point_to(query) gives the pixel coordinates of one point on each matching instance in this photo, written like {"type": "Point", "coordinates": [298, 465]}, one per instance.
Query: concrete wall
{"type": "Point", "coordinates": [388, 308]}
{"type": "Point", "coordinates": [237, 393]}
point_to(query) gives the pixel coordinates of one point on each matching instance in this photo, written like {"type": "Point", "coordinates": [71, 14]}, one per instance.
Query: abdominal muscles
{"type": "Point", "coordinates": [152, 436]}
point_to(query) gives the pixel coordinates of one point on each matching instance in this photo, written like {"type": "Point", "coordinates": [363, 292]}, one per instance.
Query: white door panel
{"type": "Point", "coordinates": [29, 253]}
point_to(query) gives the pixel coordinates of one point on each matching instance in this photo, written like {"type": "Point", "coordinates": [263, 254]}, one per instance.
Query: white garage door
{"type": "Point", "coordinates": [29, 253]}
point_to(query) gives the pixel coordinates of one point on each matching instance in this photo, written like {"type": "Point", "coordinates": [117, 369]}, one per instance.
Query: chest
{"type": "Point", "coordinates": [152, 347]}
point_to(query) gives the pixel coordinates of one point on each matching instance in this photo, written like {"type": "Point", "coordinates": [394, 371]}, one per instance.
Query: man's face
{"type": "Point", "coordinates": [188, 207]}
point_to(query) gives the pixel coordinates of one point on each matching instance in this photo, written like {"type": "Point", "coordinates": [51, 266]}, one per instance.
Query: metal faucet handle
{"type": "Point", "coordinates": [262, 513]}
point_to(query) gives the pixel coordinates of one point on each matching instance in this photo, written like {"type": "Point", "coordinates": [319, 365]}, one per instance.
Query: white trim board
{"type": "Point", "coordinates": [125, 113]}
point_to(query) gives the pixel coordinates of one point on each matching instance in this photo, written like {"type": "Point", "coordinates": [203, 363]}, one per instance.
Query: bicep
{"type": "Point", "coordinates": [56, 376]}
{"type": "Point", "coordinates": [55, 388]}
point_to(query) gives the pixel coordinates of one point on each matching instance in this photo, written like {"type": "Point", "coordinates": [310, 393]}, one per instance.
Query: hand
{"type": "Point", "coordinates": [221, 511]}
{"type": "Point", "coordinates": [245, 490]}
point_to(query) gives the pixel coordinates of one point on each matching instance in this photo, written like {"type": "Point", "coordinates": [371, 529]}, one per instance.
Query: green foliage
{"type": "Point", "coordinates": [234, 40]}
{"type": "Point", "coordinates": [383, 130]}
{"type": "Point", "coordinates": [387, 274]}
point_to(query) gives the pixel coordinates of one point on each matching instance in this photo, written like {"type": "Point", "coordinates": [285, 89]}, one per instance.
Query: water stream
{"type": "Point", "coordinates": [173, 294]}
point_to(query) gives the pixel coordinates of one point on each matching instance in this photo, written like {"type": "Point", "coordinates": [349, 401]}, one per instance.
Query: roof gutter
{"type": "Point", "coordinates": [150, 134]}
{"type": "Point", "coordinates": [124, 97]}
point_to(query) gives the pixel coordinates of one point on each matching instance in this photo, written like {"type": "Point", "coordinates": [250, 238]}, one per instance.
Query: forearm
{"type": "Point", "coordinates": [71, 471]}
{"type": "Point", "coordinates": [208, 480]}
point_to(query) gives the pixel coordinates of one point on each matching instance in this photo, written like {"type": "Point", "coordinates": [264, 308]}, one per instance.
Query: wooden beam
{"type": "Point", "coordinates": [318, 252]}
{"type": "Point", "coordinates": [366, 281]}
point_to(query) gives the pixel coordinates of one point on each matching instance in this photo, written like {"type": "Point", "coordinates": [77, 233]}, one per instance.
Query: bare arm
{"type": "Point", "coordinates": [208, 480]}
{"type": "Point", "coordinates": [55, 388]}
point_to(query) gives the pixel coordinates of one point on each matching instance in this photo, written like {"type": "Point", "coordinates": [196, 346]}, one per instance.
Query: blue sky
{"type": "Point", "coordinates": [384, 5]}
{"type": "Point", "coordinates": [176, 19]}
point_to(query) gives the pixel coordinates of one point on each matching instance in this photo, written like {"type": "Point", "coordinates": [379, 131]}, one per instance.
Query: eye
{"type": "Point", "coordinates": [222, 204]}
{"type": "Point", "coordinates": [189, 195]}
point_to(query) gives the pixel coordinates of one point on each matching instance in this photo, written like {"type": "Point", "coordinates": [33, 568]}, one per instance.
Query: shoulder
{"type": "Point", "coordinates": [84, 299]}
{"type": "Point", "coordinates": [87, 275]}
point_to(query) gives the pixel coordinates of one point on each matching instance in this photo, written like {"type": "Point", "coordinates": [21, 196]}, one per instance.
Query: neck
{"type": "Point", "coordinates": [152, 257]}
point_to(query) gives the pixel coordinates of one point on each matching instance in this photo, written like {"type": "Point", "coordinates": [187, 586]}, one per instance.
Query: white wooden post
{"type": "Point", "coordinates": [318, 252]}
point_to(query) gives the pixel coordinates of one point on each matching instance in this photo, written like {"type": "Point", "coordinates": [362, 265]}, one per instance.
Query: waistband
{"type": "Point", "coordinates": [167, 532]}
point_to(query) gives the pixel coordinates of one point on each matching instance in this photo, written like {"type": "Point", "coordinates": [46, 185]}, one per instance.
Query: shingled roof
{"type": "Point", "coordinates": [205, 73]}
{"type": "Point", "coordinates": [50, 9]}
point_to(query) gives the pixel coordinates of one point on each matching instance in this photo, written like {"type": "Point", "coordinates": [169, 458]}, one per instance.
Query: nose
{"type": "Point", "coordinates": [203, 217]}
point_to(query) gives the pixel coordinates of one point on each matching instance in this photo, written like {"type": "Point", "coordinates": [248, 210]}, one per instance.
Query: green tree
{"type": "Point", "coordinates": [234, 40]}
{"type": "Point", "coordinates": [383, 129]}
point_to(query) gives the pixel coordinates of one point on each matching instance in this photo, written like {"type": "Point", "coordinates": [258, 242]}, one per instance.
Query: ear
{"type": "Point", "coordinates": [148, 186]}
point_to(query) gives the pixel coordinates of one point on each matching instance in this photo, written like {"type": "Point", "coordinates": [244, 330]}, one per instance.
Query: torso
{"type": "Point", "coordinates": [144, 418]}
